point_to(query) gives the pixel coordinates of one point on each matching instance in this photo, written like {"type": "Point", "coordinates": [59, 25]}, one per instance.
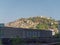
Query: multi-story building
{"type": "Point", "coordinates": [8, 32]}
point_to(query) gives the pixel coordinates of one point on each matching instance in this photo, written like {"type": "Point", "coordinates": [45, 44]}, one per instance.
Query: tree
{"type": "Point", "coordinates": [16, 41]}
{"type": "Point", "coordinates": [42, 26]}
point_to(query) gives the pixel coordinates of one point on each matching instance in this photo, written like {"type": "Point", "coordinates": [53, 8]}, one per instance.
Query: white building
{"type": "Point", "coordinates": [53, 32]}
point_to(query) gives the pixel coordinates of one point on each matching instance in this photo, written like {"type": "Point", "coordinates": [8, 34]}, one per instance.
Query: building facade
{"type": "Point", "coordinates": [8, 32]}
{"type": "Point", "coordinates": [27, 35]}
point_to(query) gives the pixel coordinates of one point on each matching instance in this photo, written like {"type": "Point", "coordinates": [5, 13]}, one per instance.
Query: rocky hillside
{"type": "Point", "coordinates": [38, 22]}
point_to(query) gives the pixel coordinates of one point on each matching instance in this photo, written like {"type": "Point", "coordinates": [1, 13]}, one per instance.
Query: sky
{"type": "Point", "coordinates": [11, 10]}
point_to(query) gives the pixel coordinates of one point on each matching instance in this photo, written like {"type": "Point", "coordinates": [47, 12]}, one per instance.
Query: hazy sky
{"type": "Point", "coordinates": [11, 10]}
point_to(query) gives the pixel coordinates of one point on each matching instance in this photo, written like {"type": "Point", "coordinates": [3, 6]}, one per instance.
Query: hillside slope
{"type": "Point", "coordinates": [38, 22]}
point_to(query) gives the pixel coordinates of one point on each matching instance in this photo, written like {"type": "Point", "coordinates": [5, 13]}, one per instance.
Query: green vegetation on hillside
{"type": "Point", "coordinates": [42, 26]}
{"type": "Point", "coordinates": [35, 23]}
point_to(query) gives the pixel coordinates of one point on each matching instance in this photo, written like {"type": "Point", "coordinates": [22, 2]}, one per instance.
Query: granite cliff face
{"type": "Point", "coordinates": [34, 23]}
